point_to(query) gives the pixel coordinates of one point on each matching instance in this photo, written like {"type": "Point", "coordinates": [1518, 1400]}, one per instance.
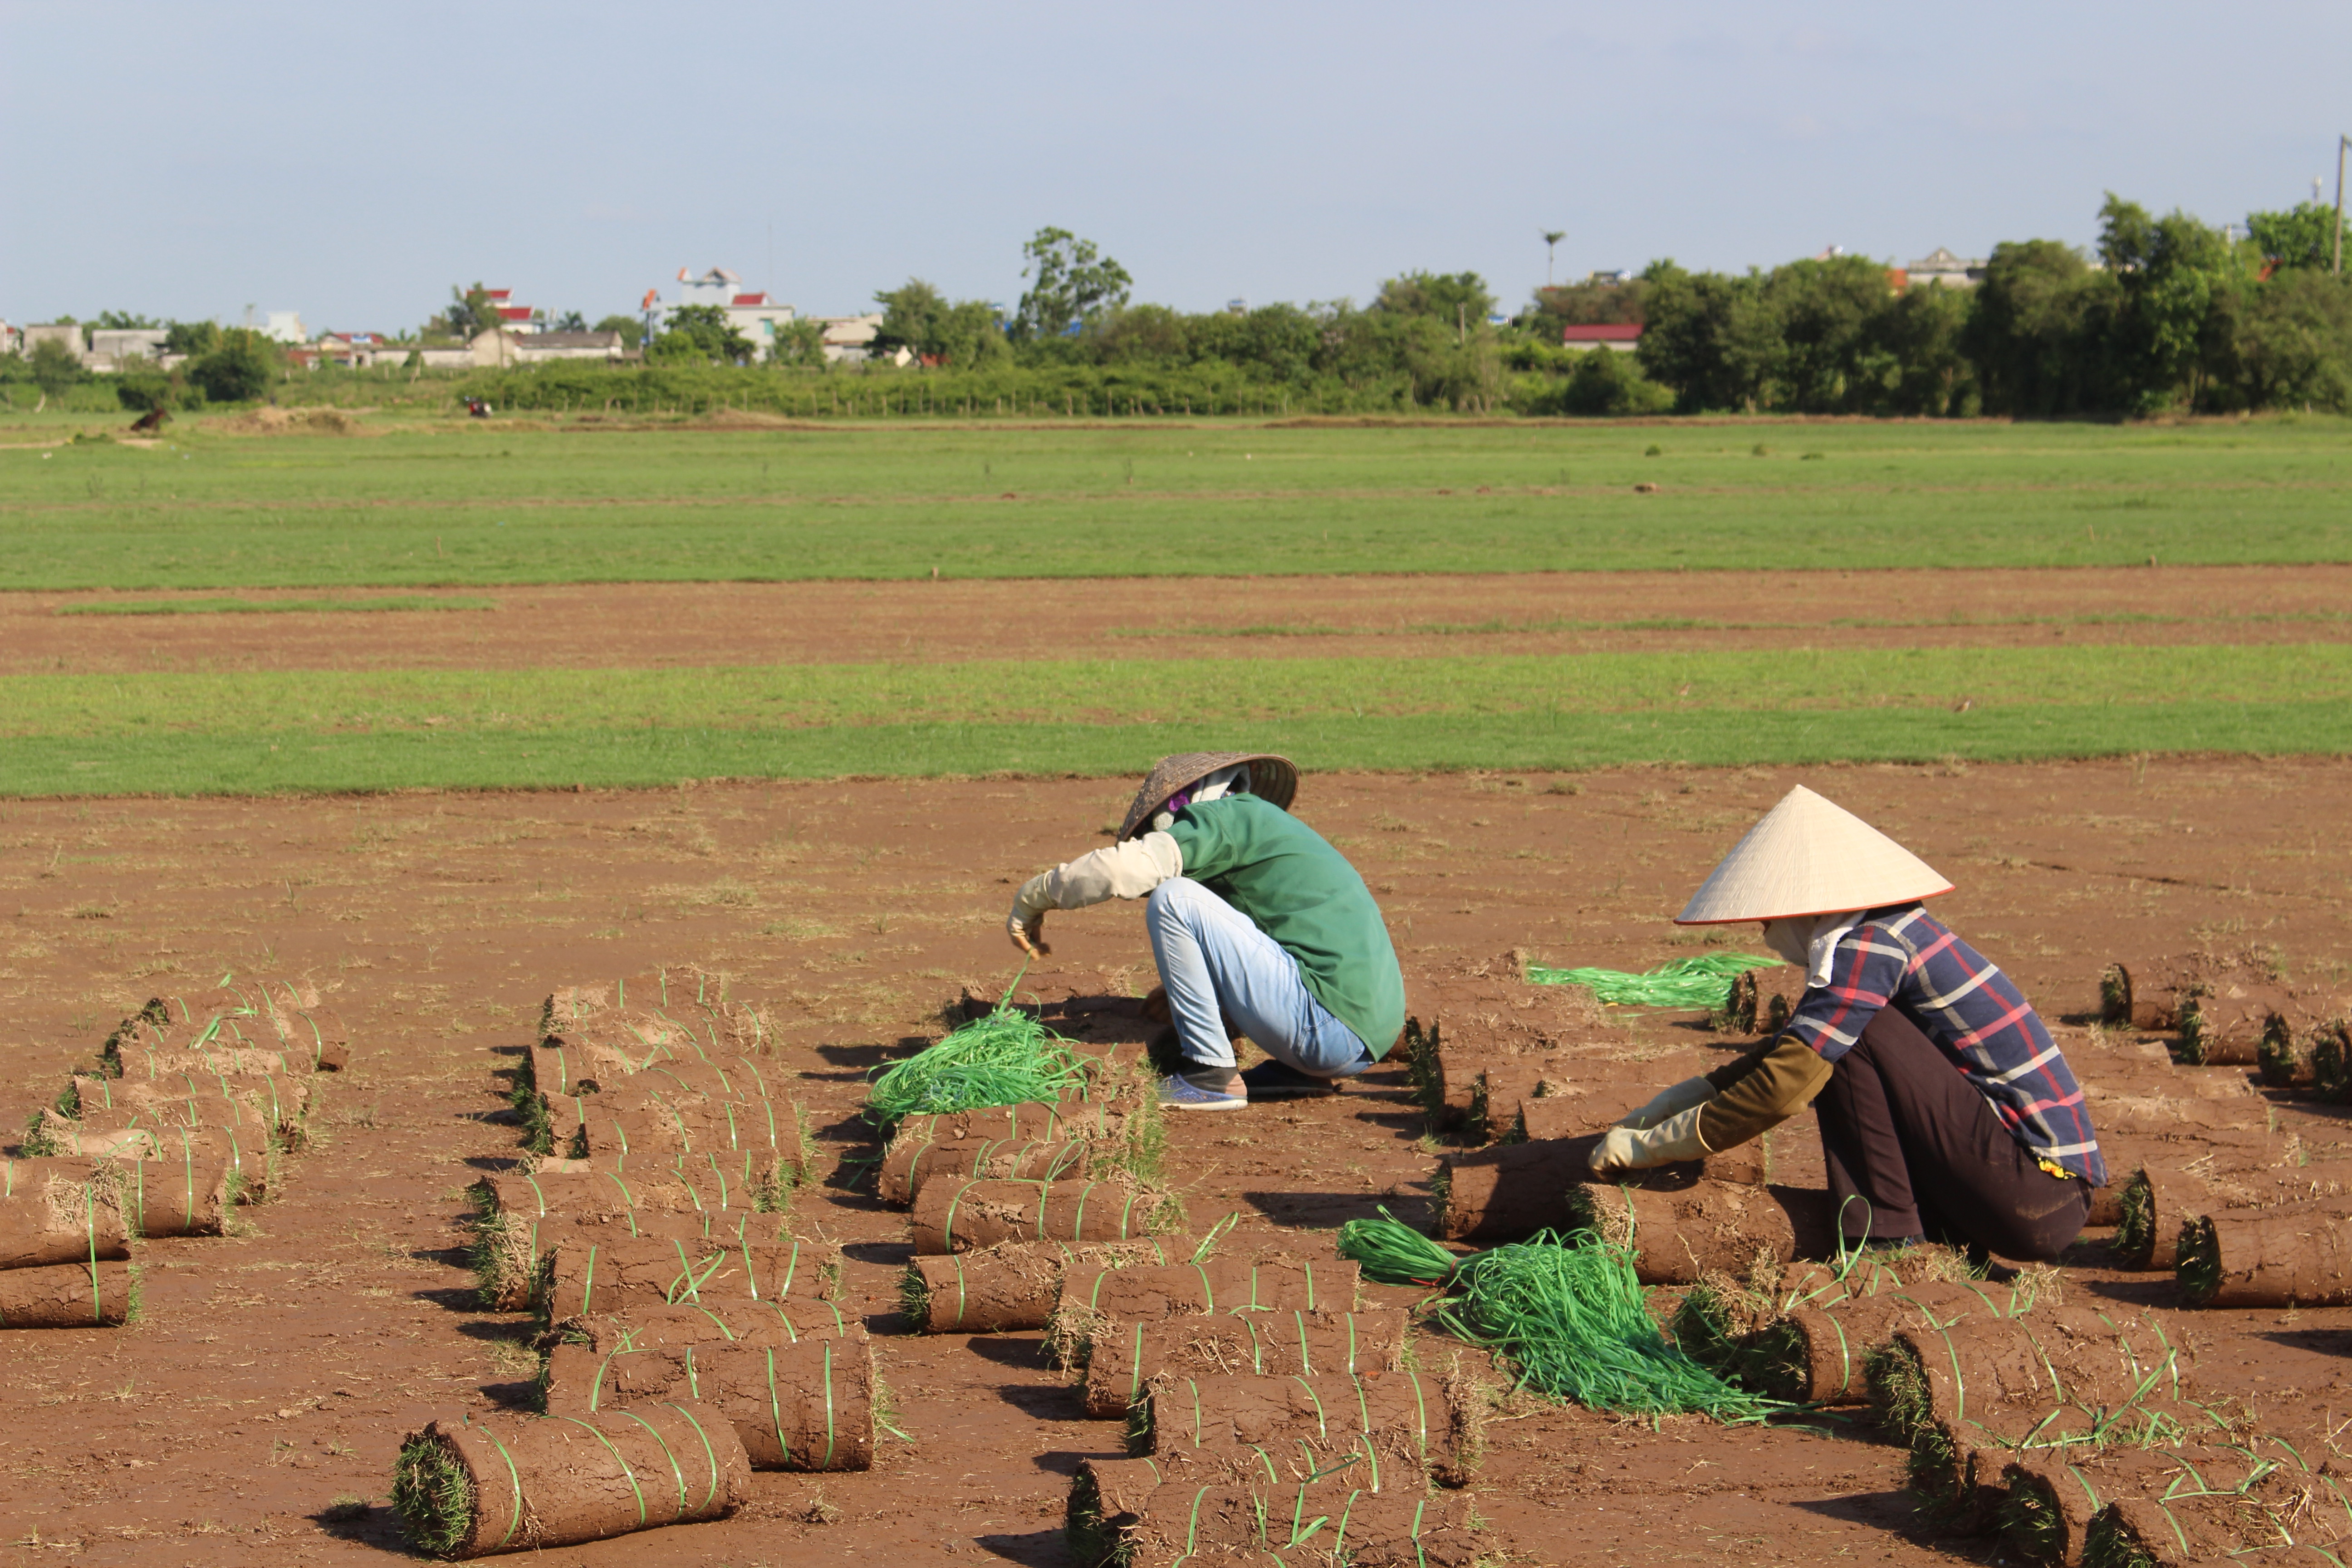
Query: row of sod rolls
{"type": "Point", "coordinates": [183, 1115]}
{"type": "Point", "coordinates": [689, 1335]}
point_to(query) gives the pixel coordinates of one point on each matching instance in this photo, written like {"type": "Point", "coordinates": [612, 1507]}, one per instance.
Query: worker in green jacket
{"type": "Point", "coordinates": [1252, 915]}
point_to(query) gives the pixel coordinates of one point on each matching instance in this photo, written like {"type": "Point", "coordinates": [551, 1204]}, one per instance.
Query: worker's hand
{"type": "Point", "coordinates": [1026, 924]}
{"type": "Point", "coordinates": [1680, 1097]}
{"type": "Point", "coordinates": [1629, 1148]}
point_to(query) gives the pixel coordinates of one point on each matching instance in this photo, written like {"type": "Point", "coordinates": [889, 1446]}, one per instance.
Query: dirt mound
{"type": "Point", "coordinates": [293, 422]}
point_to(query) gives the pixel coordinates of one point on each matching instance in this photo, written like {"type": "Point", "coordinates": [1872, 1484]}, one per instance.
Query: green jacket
{"type": "Point", "coordinates": [1300, 891]}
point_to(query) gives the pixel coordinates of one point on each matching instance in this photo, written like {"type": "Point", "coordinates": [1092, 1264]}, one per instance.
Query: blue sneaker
{"type": "Point", "coordinates": [1178, 1092]}
{"type": "Point", "coordinates": [1278, 1081]}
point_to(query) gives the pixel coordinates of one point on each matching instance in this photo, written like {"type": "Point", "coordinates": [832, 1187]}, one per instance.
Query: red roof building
{"type": "Point", "coordinates": [1622, 336]}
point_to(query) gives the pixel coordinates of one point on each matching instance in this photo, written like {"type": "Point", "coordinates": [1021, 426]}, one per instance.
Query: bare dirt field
{"type": "Point", "coordinates": [278, 1370]}
{"type": "Point", "coordinates": [653, 625]}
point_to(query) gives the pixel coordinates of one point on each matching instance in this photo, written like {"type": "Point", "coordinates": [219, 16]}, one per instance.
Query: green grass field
{"type": "Point", "coordinates": [502, 504]}
{"type": "Point", "coordinates": [507, 504]}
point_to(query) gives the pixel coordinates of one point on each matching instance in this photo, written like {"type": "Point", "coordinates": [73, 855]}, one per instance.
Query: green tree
{"type": "Point", "coordinates": [1827, 314]}
{"type": "Point", "coordinates": [469, 312]}
{"type": "Point", "coordinates": [2038, 331]}
{"type": "Point", "coordinates": [701, 334]}
{"type": "Point", "coordinates": [1591, 303]}
{"type": "Point", "coordinates": [1072, 286]}
{"type": "Point", "coordinates": [125, 320]}
{"type": "Point", "coordinates": [798, 341]}
{"type": "Point", "coordinates": [2292, 344]}
{"type": "Point", "coordinates": [191, 337]}
{"type": "Point", "coordinates": [631, 328]}
{"type": "Point", "coordinates": [54, 367]}
{"type": "Point", "coordinates": [1711, 337]}
{"type": "Point", "coordinates": [569, 322]}
{"type": "Point", "coordinates": [2302, 236]}
{"type": "Point", "coordinates": [2168, 270]}
{"type": "Point", "coordinates": [1459, 300]}
{"type": "Point", "coordinates": [237, 369]}
{"type": "Point", "coordinates": [1919, 363]}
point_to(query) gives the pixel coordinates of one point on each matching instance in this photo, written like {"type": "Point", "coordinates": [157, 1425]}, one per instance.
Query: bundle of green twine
{"type": "Point", "coordinates": [1003, 1057]}
{"type": "Point", "coordinates": [1567, 1312]}
{"type": "Point", "coordinates": [1702, 981]}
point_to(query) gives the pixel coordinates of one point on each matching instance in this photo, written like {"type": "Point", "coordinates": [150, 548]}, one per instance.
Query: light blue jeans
{"type": "Point", "coordinates": [1211, 958]}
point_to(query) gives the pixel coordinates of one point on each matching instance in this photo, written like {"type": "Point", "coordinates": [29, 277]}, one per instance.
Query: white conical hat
{"type": "Point", "coordinates": [1810, 857]}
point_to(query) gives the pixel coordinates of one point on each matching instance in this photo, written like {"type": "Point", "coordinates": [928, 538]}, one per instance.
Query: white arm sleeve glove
{"type": "Point", "coordinates": [1676, 1138]}
{"type": "Point", "coordinates": [1127, 870]}
{"type": "Point", "coordinates": [1691, 1091]}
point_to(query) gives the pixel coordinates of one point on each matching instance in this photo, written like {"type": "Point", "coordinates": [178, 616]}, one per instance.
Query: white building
{"type": "Point", "coordinates": [755, 314]}
{"type": "Point", "coordinates": [109, 346]}
{"type": "Point", "coordinates": [1941, 266]}
{"type": "Point", "coordinates": [850, 338]}
{"type": "Point", "coordinates": [284, 327]}
{"type": "Point", "coordinates": [537, 348]}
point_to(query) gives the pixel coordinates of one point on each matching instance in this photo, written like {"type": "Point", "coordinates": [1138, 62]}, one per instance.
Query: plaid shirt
{"type": "Point", "coordinates": [1906, 959]}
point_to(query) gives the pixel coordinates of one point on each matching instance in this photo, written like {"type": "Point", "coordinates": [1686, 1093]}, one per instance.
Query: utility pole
{"type": "Point", "coordinates": [2342, 141]}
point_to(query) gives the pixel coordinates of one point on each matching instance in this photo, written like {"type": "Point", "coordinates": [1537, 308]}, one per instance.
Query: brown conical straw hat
{"type": "Point", "coordinates": [1272, 779]}
{"type": "Point", "coordinates": [1807, 856]}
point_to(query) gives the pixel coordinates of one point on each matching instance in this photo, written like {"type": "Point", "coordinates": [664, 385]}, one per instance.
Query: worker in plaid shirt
{"type": "Point", "coordinates": [1946, 1111]}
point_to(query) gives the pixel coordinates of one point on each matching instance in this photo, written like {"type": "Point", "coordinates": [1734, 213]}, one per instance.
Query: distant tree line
{"type": "Point", "coordinates": [2168, 313]}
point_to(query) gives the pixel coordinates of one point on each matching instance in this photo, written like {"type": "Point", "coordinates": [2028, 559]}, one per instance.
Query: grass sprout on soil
{"type": "Point", "coordinates": [1002, 1059]}
{"type": "Point", "coordinates": [433, 1495]}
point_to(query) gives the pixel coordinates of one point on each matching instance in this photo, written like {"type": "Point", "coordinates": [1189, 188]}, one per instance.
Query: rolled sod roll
{"type": "Point", "coordinates": [511, 1249]}
{"type": "Point", "coordinates": [708, 1324]}
{"type": "Point", "coordinates": [1495, 1102]}
{"type": "Point", "coordinates": [1555, 1117]}
{"type": "Point", "coordinates": [619, 1274]}
{"type": "Point", "coordinates": [1762, 1000]}
{"type": "Point", "coordinates": [477, 1489]}
{"type": "Point", "coordinates": [909, 1163]}
{"type": "Point", "coordinates": [953, 1216]}
{"type": "Point", "coordinates": [590, 1190]}
{"type": "Point", "coordinates": [1096, 1296]}
{"type": "Point", "coordinates": [1125, 1357]}
{"type": "Point", "coordinates": [2229, 1031]}
{"type": "Point", "coordinates": [807, 1406]}
{"type": "Point", "coordinates": [1709, 1227]}
{"type": "Point", "coordinates": [1398, 1421]}
{"type": "Point", "coordinates": [1816, 1354]}
{"type": "Point", "coordinates": [2156, 1201]}
{"type": "Point", "coordinates": [191, 1165]}
{"type": "Point", "coordinates": [2121, 1006]}
{"type": "Point", "coordinates": [2301, 1256]}
{"type": "Point", "coordinates": [616, 1123]}
{"type": "Point", "coordinates": [2051, 1496]}
{"type": "Point", "coordinates": [301, 1042]}
{"type": "Point", "coordinates": [68, 1295]}
{"type": "Point", "coordinates": [1032, 1122]}
{"type": "Point", "coordinates": [2257, 1503]}
{"type": "Point", "coordinates": [1947, 1392]}
{"type": "Point", "coordinates": [560, 1065]}
{"type": "Point", "coordinates": [1203, 1514]}
{"type": "Point", "coordinates": [276, 1101]}
{"type": "Point", "coordinates": [54, 1217]}
{"type": "Point", "coordinates": [1490, 1197]}
{"type": "Point", "coordinates": [1013, 1285]}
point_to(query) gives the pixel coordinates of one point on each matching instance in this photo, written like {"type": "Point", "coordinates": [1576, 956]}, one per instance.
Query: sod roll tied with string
{"type": "Point", "coordinates": [1123, 1358]}
{"type": "Point", "coordinates": [1964, 1398]}
{"type": "Point", "coordinates": [711, 1323]}
{"type": "Point", "coordinates": [958, 1216]}
{"type": "Point", "coordinates": [1150, 1513]}
{"type": "Point", "coordinates": [56, 1217]}
{"type": "Point", "coordinates": [1014, 1285]}
{"type": "Point", "coordinates": [2254, 1502]}
{"type": "Point", "coordinates": [908, 1164]}
{"type": "Point", "coordinates": [1402, 1425]}
{"type": "Point", "coordinates": [68, 1295]}
{"type": "Point", "coordinates": [184, 1197]}
{"type": "Point", "coordinates": [1095, 1297]}
{"type": "Point", "coordinates": [802, 1406]}
{"type": "Point", "coordinates": [1816, 1354]}
{"type": "Point", "coordinates": [468, 1489]}
{"type": "Point", "coordinates": [2051, 1498]}
{"type": "Point", "coordinates": [617, 1274]}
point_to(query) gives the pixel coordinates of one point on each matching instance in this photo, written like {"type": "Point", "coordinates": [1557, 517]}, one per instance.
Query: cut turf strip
{"type": "Point", "coordinates": [1147, 1511]}
{"type": "Point", "coordinates": [1123, 1357]}
{"type": "Point", "coordinates": [1013, 1285]}
{"type": "Point", "coordinates": [804, 1405]}
{"type": "Point", "coordinates": [477, 1489]}
{"type": "Point", "coordinates": [958, 1216]}
{"type": "Point", "coordinates": [1401, 1426]}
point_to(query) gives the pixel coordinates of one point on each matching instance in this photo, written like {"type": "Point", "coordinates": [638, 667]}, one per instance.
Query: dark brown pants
{"type": "Point", "coordinates": [1914, 1150]}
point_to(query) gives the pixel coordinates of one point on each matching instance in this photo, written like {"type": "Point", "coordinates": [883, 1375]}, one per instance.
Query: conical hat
{"type": "Point", "coordinates": [1273, 779]}
{"type": "Point", "coordinates": [1810, 857]}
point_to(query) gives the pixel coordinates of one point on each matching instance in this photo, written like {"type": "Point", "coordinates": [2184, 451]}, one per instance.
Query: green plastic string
{"type": "Point", "coordinates": [1702, 981]}
{"type": "Point", "coordinates": [1570, 1314]}
{"type": "Point", "coordinates": [1006, 1057]}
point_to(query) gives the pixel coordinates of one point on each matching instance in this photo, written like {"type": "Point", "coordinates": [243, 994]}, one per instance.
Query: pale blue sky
{"type": "Point", "coordinates": [352, 160]}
